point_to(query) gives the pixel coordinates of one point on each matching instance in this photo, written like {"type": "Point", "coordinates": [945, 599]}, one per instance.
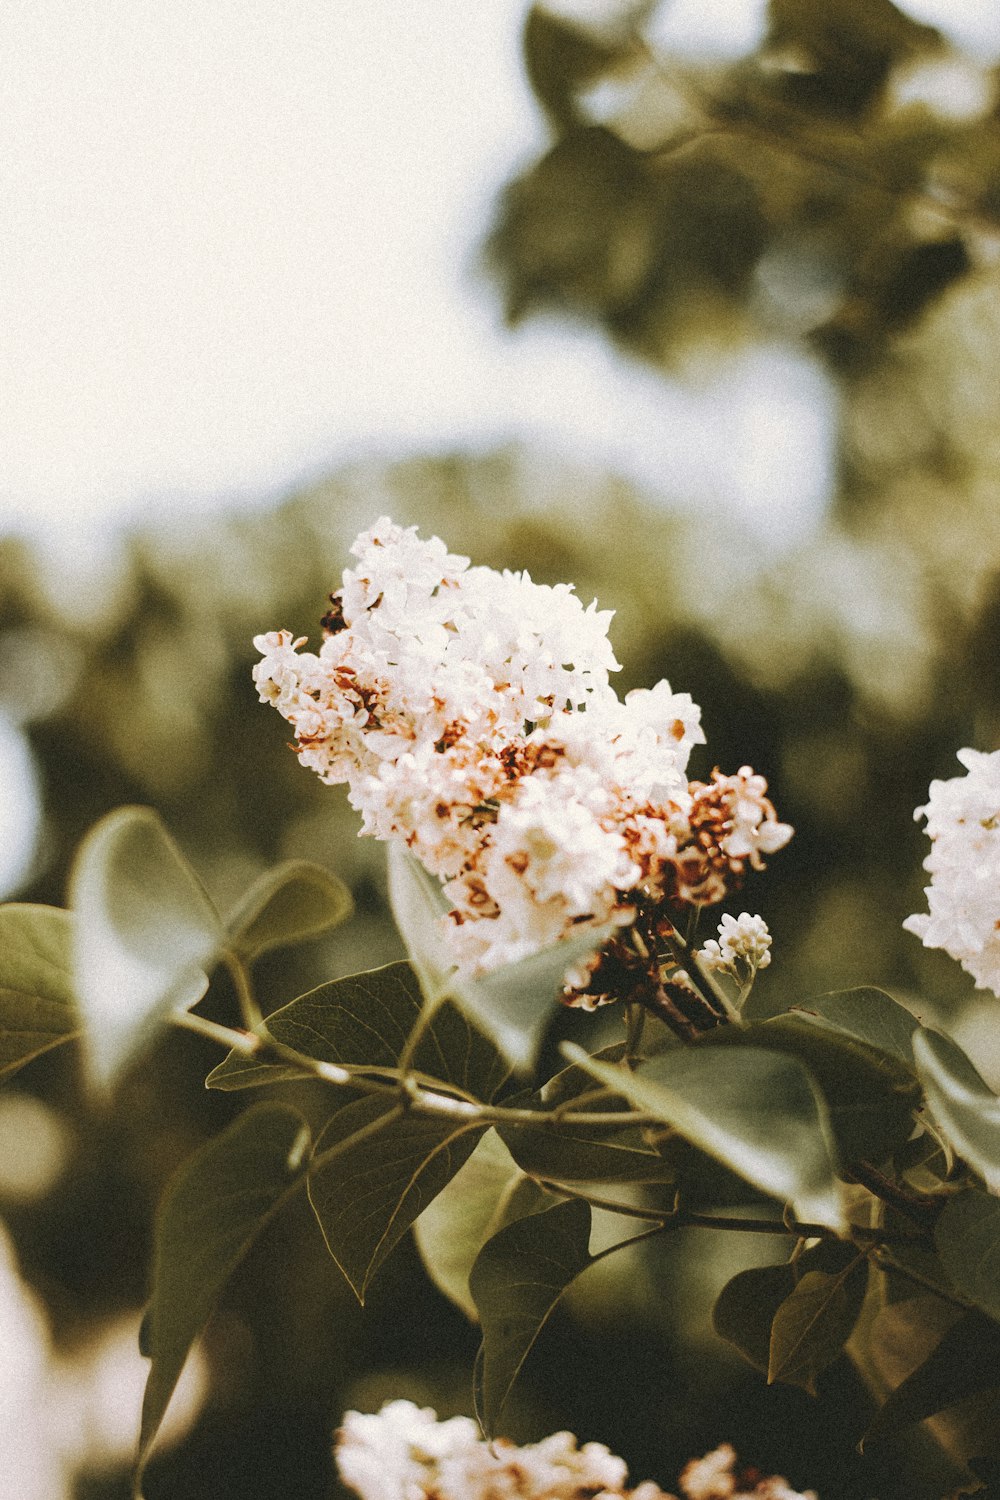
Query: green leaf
{"type": "Point", "coordinates": [452, 1230]}
{"type": "Point", "coordinates": [37, 1007]}
{"type": "Point", "coordinates": [746, 1306]}
{"type": "Point", "coordinates": [519, 1276]}
{"type": "Point", "coordinates": [295, 901]}
{"type": "Point", "coordinates": [573, 1153]}
{"type": "Point", "coordinates": [965, 1108]}
{"type": "Point", "coordinates": [366, 1020]}
{"type": "Point", "coordinates": [965, 1362]}
{"type": "Point", "coordinates": [814, 1322]}
{"type": "Point", "coordinates": [214, 1207]}
{"type": "Point", "coordinates": [144, 933]}
{"type": "Point", "coordinates": [513, 1005]}
{"type": "Point", "coordinates": [757, 1112]}
{"type": "Point", "coordinates": [967, 1236]}
{"type": "Point", "coordinates": [376, 1168]}
{"type": "Point", "coordinates": [869, 1015]}
{"type": "Point", "coordinates": [870, 1095]}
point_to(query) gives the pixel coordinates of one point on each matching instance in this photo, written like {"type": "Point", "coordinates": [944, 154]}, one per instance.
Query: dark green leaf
{"type": "Point", "coordinates": [37, 1009]}
{"type": "Point", "coordinates": [746, 1307]}
{"type": "Point", "coordinates": [757, 1112]}
{"type": "Point", "coordinates": [376, 1168]}
{"type": "Point", "coordinates": [965, 1108]}
{"type": "Point", "coordinates": [295, 901]}
{"type": "Point", "coordinates": [519, 1276]}
{"type": "Point", "coordinates": [967, 1235]}
{"type": "Point", "coordinates": [965, 1362]}
{"type": "Point", "coordinates": [365, 1020]}
{"type": "Point", "coordinates": [144, 934]}
{"type": "Point", "coordinates": [452, 1230]}
{"type": "Point", "coordinates": [563, 1153]}
{"type": "Point", "coordinates": [868, 1015]}
{"type": "Point", "coordinates": [869, 1094]}
{"type": "Point", "coordinates": [213, 1209]}
{"type": "Point", "coordinates": [814, 1322]}
{"type": "Point", "coordinates": [577, 1154]}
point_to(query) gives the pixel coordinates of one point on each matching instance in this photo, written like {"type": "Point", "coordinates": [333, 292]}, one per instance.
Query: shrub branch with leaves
{"type": "Point", "coordinates": [544, 843]}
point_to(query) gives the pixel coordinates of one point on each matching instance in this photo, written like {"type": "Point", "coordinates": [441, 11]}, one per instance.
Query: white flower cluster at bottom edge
{"type": "Point", "coordinates": [404, 1453]}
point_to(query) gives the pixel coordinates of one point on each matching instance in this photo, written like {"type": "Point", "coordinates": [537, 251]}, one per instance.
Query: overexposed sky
{"type": "Point", "coordinates": [241, 245]}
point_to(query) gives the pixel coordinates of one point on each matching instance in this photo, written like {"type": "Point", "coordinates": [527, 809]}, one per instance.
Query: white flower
{"type": "Point", "coordinates": [963, 898]}
{"type": "Point", "coordinates": [742, 940]}
{"type": "Point", "coordinates": [471, 715]}
{"type": "Point", "coordinates": [405, 1453]}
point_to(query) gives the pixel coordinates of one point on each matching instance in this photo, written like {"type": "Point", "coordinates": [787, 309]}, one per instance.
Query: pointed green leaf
{"type": "Point", "coordinates": [519, 1276]}
{"type": "Point", "coordinates": [814, 1322]}
{"type": "Point", "coordinates": [376, 1169]}
{"type": "Point", "coordinates": [869, 1015]}
{"type": "Point", "coordinates": [965, 1108]}
{"type": "Point", "coordinates": [746, 1306]}
{"type": "Point", "coordinates": [965, 1362]}
{"type": "Point", "coordinates": [214, 1207]}
{"type": "Point", "coordinates": [366, 1020]}
{"type": "Point", "coordinates": [967, 1236]}
{"type": "Point", "coordinates": [514, 1005]}
{"type": "Point", "coordinates": [295, 901]}
{"type": "Point", "coordinates": [37, 1007]}
{"type": "Point", "coordinates": [757, 1112]}
{"type": "Point", "coordinates": [144, 933]}
{"type": "Point", "coordinates": [452, 1230]}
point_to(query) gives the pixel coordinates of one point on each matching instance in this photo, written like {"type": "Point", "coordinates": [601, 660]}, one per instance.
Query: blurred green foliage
{"type": "Point", "coordinates": [807, 192]}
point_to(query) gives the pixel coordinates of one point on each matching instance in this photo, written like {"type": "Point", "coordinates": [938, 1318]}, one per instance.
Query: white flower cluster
{"type": "Point", "coordinates": [471, 715]}
{"type": "Point", "coordinates": [742, 947]}
{"type": "Point", "coordinates": [963, 823]}
{"type": "Point", "coordinates": [404, 1453]}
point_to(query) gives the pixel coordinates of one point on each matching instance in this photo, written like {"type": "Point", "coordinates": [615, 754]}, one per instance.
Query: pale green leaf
{"type": "Point", "coordinates": [214, 1207]}
{"type": "Point", "coordinates": [452, 1230]}
{"type": "Point", "coordinates": [516, 1004]}
{"type": "Point", "coordinates": [516, 1282]}
{"type": "Point", "coordinates": [37, 1005]}
{"type": "Point", "coordinates": [513, 1005]}
{"type": "Point", "coordinates": [143, 936]}
{"type": "Point", "coordinates": [757, 1112]}
{"type": "Point", "coordinates": [418, 904]}
{"type": "Point", "coordinates": [967, 1236]}
{"type": "Point", "coordinates": [288, 904]}
{"type": "Point", "coordinates": [965, 1108]}
{"type": "Point", "coordinates": [366, 1020]}
{"type": "Point", "coordinates": [376, 1168]}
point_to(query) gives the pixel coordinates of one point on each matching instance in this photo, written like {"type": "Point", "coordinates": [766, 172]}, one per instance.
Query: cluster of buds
{"type": "Point", "coordinates": [404, 1453]}
{"type": "Point", "coordinates": [471, 715]}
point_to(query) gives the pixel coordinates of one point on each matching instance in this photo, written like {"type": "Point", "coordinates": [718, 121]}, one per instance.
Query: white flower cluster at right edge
{"type": "Point", "coordinates": [404, 1453]}
{"type": "Point", "coordinates": [963, 898]}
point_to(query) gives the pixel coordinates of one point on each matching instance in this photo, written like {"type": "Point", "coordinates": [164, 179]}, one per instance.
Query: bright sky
{"type": "Point", "coordinates": [240, 245]}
